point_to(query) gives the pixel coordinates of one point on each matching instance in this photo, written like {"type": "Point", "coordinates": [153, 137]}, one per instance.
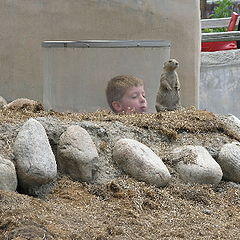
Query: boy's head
{"type": "Point", "coordinates": [126, 94]}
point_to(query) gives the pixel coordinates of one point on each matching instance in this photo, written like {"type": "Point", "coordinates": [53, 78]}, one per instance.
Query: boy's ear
{"type": "Point", "coordinates": [117, 106]}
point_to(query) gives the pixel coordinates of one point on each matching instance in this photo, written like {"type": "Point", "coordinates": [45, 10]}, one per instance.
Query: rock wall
{"type": "Point", "coordinates": [98, 152]}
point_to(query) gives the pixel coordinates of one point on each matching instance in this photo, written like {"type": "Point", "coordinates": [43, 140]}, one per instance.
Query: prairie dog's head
{"type": "Point", "coordinates": [171, 64]}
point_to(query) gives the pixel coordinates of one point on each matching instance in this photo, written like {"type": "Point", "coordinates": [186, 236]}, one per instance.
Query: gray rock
{"type": "Point", "coordinates": [207, 211]}
{"type": "Point", "coordinates": [234, 120]}
{"type": "Point", "coordinates": [8, 176]}
{"type": "Point", "coordinates": [35, 161]}
{"type": "Point", "coordinates": [140, 162]}
{"type": "Point", "coordinates": [77, 154]}
{"type": "Point", "coordinates": [24, 103]}
{"type": "Point", "coordinates": [233, 185]}
{"type": "Point", "coordinates": [3, 102]}
{"type": "Point", "coordinates": [229, 160]}
{"type": "Point", "coordinates": [196, 165]}
{"type": "Point", "coordinates": [231, 122]}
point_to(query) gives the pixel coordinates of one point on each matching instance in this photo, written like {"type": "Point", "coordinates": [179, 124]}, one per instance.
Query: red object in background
{"type": "Point", "coordinates": [233, 20]}
{"type": "Point", "coordinates": [220, 46]}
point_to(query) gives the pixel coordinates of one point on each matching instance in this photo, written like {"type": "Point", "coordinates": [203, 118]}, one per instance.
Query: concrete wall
{"type": "Point", "coordinates": [26, 23]}
{"type": "Point", "coordinates": [219, 84]}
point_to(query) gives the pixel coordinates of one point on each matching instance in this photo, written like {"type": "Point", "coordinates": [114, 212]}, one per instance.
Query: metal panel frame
{"type": "Point", "coordinates": [105, 44]}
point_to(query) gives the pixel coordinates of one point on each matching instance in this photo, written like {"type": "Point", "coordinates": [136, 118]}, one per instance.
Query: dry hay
{"type": "Point", "coordinates": [126, 208]}
{"type": "Point", "coordinates": [123, 209]}
{"type": "Point", "coordinates": [169, 123]}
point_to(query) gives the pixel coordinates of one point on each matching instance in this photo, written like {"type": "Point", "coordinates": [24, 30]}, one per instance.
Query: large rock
{"type": "Point", "coordinates": [195, 165]}
{"type": "Point", "coordinates": [77, 154]}
{"type": "Point", "coordinates": [229, 160]}
{"type": "Point", "coordinates": [35, 161]}
{"type": "Point", "coordinates": [24, 103]}
{"type": "Point", "coordinates": [8, 176]}
{"type": "Point", "coordinates": [3, 102]}
{"type": "Point", "coordinates": [140, 162]}
{"type": "Point", "coordinates": [234, 119]}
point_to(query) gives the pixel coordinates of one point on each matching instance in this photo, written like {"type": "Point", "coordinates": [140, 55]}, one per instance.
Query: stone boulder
{"type": "Point", "coordinates": [77, 155]}
{"type": "Point", "coordinates": [35, 161]}
{"type": "Point", "coordinates": [229, 160]}
{"type": "Point", "coordinates": [234, 120]}
{"type": "Point", "coordinates": [195, 165]}
{"type": "Point", "coordinates": [3, 102]}
{"type": "Point", "coordinates": [140, 162]}
{"type": "Point", "coordinates": [24, 103]}
{"type": "Point", "coordinates": [8, 176]}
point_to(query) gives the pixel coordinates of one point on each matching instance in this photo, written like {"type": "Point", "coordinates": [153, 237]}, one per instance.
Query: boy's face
{"type": "Point", "coordinates": [132, 101]}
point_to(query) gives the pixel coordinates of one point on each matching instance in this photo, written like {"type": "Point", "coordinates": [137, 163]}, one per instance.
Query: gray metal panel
{"type": "Point", "coordinates": [216, 22]}
{"type": "Point", "coordinates": [105, 44]}
{"type": "Point", "coordinates": [221, 36]}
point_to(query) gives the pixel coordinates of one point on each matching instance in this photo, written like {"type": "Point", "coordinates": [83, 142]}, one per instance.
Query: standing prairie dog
{"type": "Point", "coordinates": [168, 97]}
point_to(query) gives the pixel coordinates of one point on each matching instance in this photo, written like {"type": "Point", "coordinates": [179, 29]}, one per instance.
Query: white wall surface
{"type": "Point", "coordinates": [26, 23]}
{"type": "Point", "coordinates": [220, 82]}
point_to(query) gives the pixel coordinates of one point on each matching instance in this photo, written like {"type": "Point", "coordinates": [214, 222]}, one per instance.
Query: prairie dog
{"type": "Point", "coordinates": [168, 97]}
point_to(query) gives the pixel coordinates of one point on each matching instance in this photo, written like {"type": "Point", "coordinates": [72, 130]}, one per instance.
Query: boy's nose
{"type": "Point", "coordinates": [142, 99]}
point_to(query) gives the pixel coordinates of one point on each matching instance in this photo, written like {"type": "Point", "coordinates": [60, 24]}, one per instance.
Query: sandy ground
{"type": "Point", "coordinates": [121, 207]}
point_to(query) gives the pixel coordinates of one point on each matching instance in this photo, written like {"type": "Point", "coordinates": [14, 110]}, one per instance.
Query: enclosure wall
{"type": "Point", "coordinates": [26, 23]}
{"type": "Point", "coordinates": [75, 76]}
{"type": "Point", "coordinates": [219, 84]}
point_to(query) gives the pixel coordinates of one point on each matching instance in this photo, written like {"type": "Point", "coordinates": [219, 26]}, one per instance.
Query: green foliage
{"type": "Point", "coordinates": [224, 9]}
{"type": "Point", "coordinates": [209, 30]}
